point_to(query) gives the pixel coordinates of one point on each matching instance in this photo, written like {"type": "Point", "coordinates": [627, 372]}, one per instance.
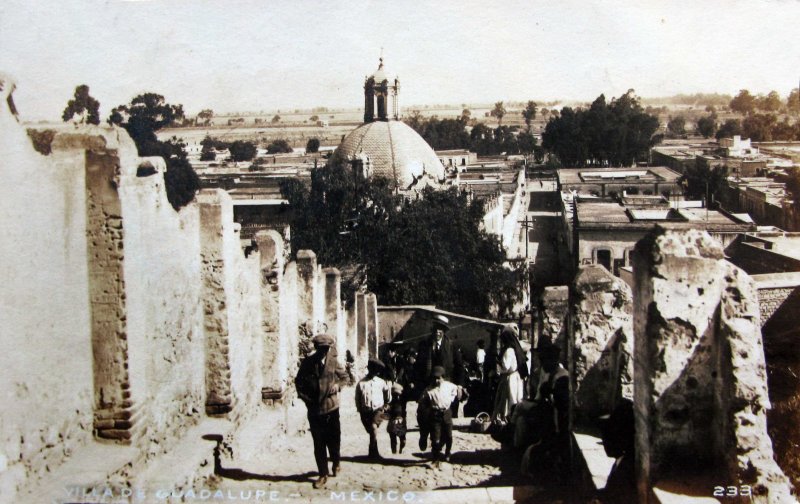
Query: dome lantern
{"type": "Point", "coordinates": [379, 94]}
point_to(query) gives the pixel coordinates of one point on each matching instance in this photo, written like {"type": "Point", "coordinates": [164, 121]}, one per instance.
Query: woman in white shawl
{"type": "Point", "coordinates": [513, 369]}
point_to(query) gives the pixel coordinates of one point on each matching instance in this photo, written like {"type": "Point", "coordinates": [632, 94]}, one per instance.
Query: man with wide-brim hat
{"type": "Point", "coordinates": [372, 397]}
{"type": "Point", "coordinates": [317, 383]}
{"type": "Point", "coordinates": [438, 350]}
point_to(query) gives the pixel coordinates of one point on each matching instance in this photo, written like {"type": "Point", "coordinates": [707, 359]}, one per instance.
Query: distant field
{"type": "Point", "coordinates": [297, 127]}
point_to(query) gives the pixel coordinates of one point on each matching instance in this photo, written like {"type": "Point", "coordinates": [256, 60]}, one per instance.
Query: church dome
{"type": "Point", "coordinates": [395, 151]}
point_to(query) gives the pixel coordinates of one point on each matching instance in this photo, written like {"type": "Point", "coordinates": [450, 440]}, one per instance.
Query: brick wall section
{"type": "Point", "coordinates": [771, 299]}
{"type": "Point", "coordinates": [113, 403]}
{"type": "Point", "coordinates": [274, 366]}
{"type": "Point", "coordinates": [232, 308]}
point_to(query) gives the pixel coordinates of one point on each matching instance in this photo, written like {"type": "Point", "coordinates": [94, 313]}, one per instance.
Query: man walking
{"type": "Point", "coordinates": [372, 395]}
{"type": "Point", "coordinates": [317, 383]}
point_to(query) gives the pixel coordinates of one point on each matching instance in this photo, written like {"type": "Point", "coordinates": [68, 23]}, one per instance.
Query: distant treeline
{"type": "Point", "coordinates": [444, 134]}
{"type": "Point", "coordinates": [696, 99]}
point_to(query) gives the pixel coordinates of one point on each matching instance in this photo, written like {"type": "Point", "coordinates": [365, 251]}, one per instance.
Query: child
{"type": "Point", "coordinates": [436, 401]}
{"type": "Point", "coordinates": [372, 394]}
{"type": "Point", "coordinates": [397, 418]}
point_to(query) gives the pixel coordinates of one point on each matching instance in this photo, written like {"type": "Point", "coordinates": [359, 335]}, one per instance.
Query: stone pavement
{"type": "Point", "coordinates": [284, 470]}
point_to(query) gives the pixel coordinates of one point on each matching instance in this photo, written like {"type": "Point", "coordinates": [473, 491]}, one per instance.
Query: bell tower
{"type": "Point", "coordinates": [380, 96]}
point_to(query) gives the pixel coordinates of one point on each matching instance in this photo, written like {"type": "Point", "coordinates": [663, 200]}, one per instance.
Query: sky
{"type": "Point", "coordinates": [248, 55]}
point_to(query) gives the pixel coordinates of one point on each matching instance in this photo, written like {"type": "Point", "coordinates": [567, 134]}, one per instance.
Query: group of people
{"type": "Point", "coordinates": [529, 413]}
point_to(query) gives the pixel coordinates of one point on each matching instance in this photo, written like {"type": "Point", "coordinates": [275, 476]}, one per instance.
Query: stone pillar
{"type": "Point", "coordinates": [361, 325]}
{"type": "Point", "coordinates": [371, 314]}
{"type": "Point", "coordinates": [307, 284]}
{"type": "Point", "coordinates": [214, 214]}
{"type": "Point", "coordinates": [700, 398]}
{"type": "Point", "coordinates": [115, 410]}
{"type": "Point", "coordinates": [274, 361]}
{"type": "Point", "coordinates": [601, 342]}
{"type": "Point", "coordinates": [333, 279]}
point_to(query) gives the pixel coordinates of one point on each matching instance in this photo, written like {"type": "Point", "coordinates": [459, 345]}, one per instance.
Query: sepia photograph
{"type": "Point", "coordinates": [416, 252]}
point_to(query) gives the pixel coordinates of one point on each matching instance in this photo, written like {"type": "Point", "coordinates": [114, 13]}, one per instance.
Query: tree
{"type": "Point", "coordinates": [793, 101]}
{"type": "Point", "coordinates": [758, 127]}
{"type": "Point", "coordinates": [279, 147]}
{"type": "Point", "coordinates": [743, 103]}
{"type": "Point", "coordinates": [529, 113]}
{"type": "Point", "coordinates": [466, 115]}
{"type": "Point", "coordinates": [276, 119]}
{"type": "Point", "coordinates": [146, 114]}
{"type": "Point", "coordinates": [82, 104]}
{"type": "Point", "coordinates": [312, 145]}
{"type": "Point", "coordinates": [704, 183]}
{"type": "Point", "coordinates": [615, 134]}
{"type": "Point", "coordinates": [242, 151]}
{"type": "Point", "coordinates": [359, 224]}
{"type": "Point", "coordinates": [729, 128]}
{"type": "Point", "coordinates": [677, 125]}
{"type": "Point", "coordinates": [314, 118]}
{"type": "Point", "coordinates": [206, 115]}
{"type": "Point", "coordinates": [499, 111]}
{"type": "Point", "coordinates": [770, 103]}
{"type": "Point", "coordinates": [707, 125]}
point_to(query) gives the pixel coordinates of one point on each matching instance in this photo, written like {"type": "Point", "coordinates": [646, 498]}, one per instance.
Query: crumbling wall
{"type": "Point", "coordinates": [44, 307]}
{"type": "Point", "coordinates": [552, 319]}
{"type": "Point", "coordinates": [701, 392]}
{"type": "Point", "coordinates": [233, 310]}
{"type": "Point", "coordinates": [164, 331]}
{"type": "Point", "coordinates": [601, 341]}
{"type": "Point", "coordinates": [274, 359]}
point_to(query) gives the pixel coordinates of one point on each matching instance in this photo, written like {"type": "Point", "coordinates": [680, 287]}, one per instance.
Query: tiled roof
{"type": "Point", "coordinates": [394, 149]}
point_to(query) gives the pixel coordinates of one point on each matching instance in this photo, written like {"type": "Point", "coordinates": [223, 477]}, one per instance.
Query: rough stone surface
{"type": "Point", "coordinates": [701, 396]}
{"type": "Point", "coordinates": [601, 341]}
{"type": "Point", "coordinates": [553, 310]}
{"type": "Point", "coordinates": [274, 360]}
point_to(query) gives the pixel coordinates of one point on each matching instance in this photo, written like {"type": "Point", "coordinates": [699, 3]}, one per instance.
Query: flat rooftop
{"type": "Point", "coordinates": [650, 174]}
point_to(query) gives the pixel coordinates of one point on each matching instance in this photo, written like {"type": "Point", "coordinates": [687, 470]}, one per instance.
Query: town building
{"type": "Point", "coordinates": [600, 231]}
{"type": "Point", "coordinates": [609, 182]}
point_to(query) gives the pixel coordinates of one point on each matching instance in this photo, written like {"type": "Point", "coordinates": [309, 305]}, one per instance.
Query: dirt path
{"type": "Point", "coordinates": [289, 469]}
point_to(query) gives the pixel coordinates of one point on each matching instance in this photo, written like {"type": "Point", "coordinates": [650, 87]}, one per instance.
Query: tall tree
{"type": "Point", "coordinates": [241, 150]}
{"type": "Point", "coordinates": [206, 115]}
{"type": "Point", "coordinates": [529, 113]}
{"type": "Point", "coordinates": [141, 118]}
{"type": "Point", "coordinates": [82, 104]}
{"type": "Point", "coordinates": [615, 134]}
{"type": "Point", "coordinates": [744, 102]}
{"type": "Point", "coordinates": [312, 145]}
{"type": "Point", "coordinates": [677, 125]}
{"type": "Point", "coordinates": [360, 224]}
{"type": "Point", "coordinates": [758, 127]}
{"type": "Point", "coordinates": [729, 128]}
{"type": "Point", "coordinates": [793, 102]}
{"type": "Point", "coordinates": [704, 183]}
{"type": "Point", "coordinates": [499, 111]}
{"type": "Point", "coordinates": [770, 103]}
{"type": "Point", "coordinates": [707, 125]}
